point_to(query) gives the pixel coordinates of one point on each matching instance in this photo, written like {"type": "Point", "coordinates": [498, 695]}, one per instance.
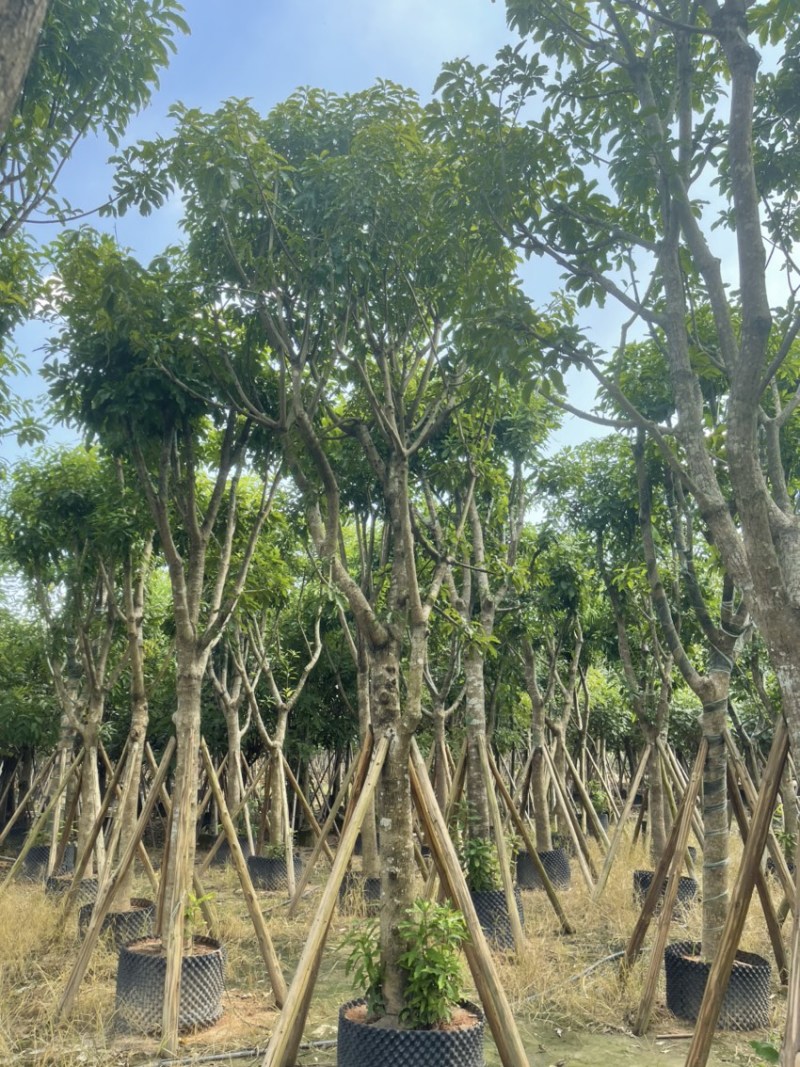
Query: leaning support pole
{"type": "Point", "coordinates": [262, 933]}
{"type": "Point", "coordinates": [326, 829]}
{"type": "Point", "coordinates": [20, 808]}
{"type": "Point", "coordinates": [524, 833]}
{"type": "Point", "coordinates": [664, 864]}
{"type": "Point", "coordinates": [670, 896]}
{"type": "Point", "coordinates": [720, 972]}
{"type": "Point", "coordinates": [307, 810]}
{"type": "Point", "coordinates": [616, 840]}
{"type": "Point", "coordinates": [487, 982]}
{"type": "Point", "coordinates": [288, 1030]}
{"type": "Point", "coordinates": [773, 926]}
{"type": "Point", "coordinates": [106, 896]}
{"type": "Point", "coordinates": [502, 852]}
{"type": "Point", "coordinates": [76, 763]}
{"type": "Point", "coordinates": [575, 832]}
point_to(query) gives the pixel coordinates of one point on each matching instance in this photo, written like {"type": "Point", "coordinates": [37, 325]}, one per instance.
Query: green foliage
{"type": "Point", "coordinates": [434, 934]}
{"type": "Point", "coordinates": [480, 863]}
{"type": "Point", "coordinates": [768, 1053]}
{"type": "Point", "coordinates": [363, 963]}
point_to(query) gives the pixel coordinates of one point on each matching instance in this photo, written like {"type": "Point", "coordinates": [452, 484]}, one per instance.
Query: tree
{"type": "Point", "coordinates": [645, 109]}
{"type": "Point", "coordinates": [93, 67]}
{"type": "Point", "coordinates": [188, 450]}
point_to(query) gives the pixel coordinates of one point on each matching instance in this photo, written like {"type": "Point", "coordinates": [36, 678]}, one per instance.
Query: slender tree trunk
{"type": "Point", "coordinates": [541, 812]}
{"type": "Point", "coordinates": [715, 827]}
{"type": "Point", "coordinates": [479, 822]}
{"type": "Point", "coordinates": [370, 858]}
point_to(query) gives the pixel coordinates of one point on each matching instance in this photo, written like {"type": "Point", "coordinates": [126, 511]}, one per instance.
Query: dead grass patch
{"type": "Point", "coordinates": [561, 981]}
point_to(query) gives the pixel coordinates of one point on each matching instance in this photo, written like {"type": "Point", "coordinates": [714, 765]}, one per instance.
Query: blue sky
{"type": "Point", "coordinates": [263, 50]}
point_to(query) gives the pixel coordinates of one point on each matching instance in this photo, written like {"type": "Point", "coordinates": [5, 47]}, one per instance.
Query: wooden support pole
{"type": "Point", "coordinates": [680, 779]}
{"type": "Point", "coordinates": [502, 851]}
{"type": "Point", "coordinates": [664, 865]}
{"type": "Point", "coordinates": [262, 933]}
{"type": "Point", "coordinates": [42, 819]}
{"type": "Point", "coordinates": [106, 896]}
{"type": "Point", "coordinates": [287, 1032]}
{"type": "Point", "coordinates": [141, 850]}
{"type": "Point", "coordinates": [773, 926]}
{"type": "Point", "coordinates": [670, 896]}
{"type": "Point", "coordinates": [579, 841]}
{"type": "Point", "coordinates": [619, 831]}
{"type": "Point", "coordinates": [326, 829]}
{"type": "Point", "coordinates": [775, 850]}
{"type": "Point", "coordinates": [527, 840]}
{"type": "Point", "coordinates": [97, 825]}
{"type": "Point", "coordinates": [307, 809]}
{"type": "Point", "coordinates": [720, 972]}
{"type": "Point", "coordinates": [20, 808]}
{"type": "Point", "coordinates": [586, 800]}
{"type": "Point", "coordinates": [456, 789]}
{"type": "Point", "coordinates": [487, 982]}
{"type": "Point", "coordinates": [206, 863]}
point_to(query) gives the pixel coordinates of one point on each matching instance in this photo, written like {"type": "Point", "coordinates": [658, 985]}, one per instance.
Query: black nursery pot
{"type": "Point", "coordinates": [122, 927]}
{"type": "Point", "coordinates": [269, 872]}
{"type": "Point", "coordinates": [223, 853]}
{"type": "Point", "coordinates": [555, 863]}
{"type": "Point", "coordinates": [59, 886]}
{"type": "Point", "coordinates": [354, 884]}
{"type": "Point", "coordinates": [360, 1044]}
{"type": "Point", "coordinates": [141, 973]}
{"type": "Point", "coordinates": [34, 865]}
{"type": "Point", "coordinates": [492, 912]}
{"type": "Point", "coordinates": [746, 1003]}
{"type": "Point", "coordinates": [687, 888]}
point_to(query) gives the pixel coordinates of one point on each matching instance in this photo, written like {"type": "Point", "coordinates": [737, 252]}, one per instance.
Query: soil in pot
{"type": "Point", "coordinates": [556, 865]}
{"type": "Point", "coordinates": [746, 1003]}
{"type": "Point", "coordinates": [122, 927]}
{"type": "Point", "coordinates": [269, 872]}
{"type": "Point", "coordinates": [141, 972]}
{"type": "Point", "coordinates": [492, 912]}
{"type": "Point", "coordinates": [363, 1044]}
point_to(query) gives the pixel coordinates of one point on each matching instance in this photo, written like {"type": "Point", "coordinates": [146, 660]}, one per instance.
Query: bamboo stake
{"type": "Point", "coordinates": [586, 800]}
{"type": "Point", "coordinates": [665, 863]}
{"type": "Point", "coordinates": [773, 926]}
{"type": "Point", "coordinates": [20, 808]}
{"type": "Point", "coordinates": [141, 850]}
{"type": "Point", "coordinates": [487, 982]}
{"type": "Point", "coordinates": [680, 779]}
{"type": "Point", "coordinates": [203, 867]}
{"type": "Point", "coordinates": [262, 933]}
{"type": "Point", "coordinates": [670, 896]}
{"type": "Point", "coordinates": [39, 823]}
{"type": "Point", "coordinates": [720, 972]}
{"type": "Point", "coordinates": [105, 898]}
{"type": "Point", "coordinates": [97, 825]}
{"type": "Point", "coordinates": [288, 1029]}
{"type": "Point", "coordinates": [307, 809]}
{"type": "Point", "coordinates": [775, 850]}
{"type": "Point", "coordinates": [579, 841]}
{"type": "Point", "coordinates": [54, 864]}
{"type": "Point", "coordinates": [502, 852]}
{"type": "Point", "coordinates": [326, 829]}
{"type": "Point", "coordinates": [524, 833]}
{"type": "Point", "coordinates": [616, 840]}
{"type": "Point", "coordinates": [456, 790]}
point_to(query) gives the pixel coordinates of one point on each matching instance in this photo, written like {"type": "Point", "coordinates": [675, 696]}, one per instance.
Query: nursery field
{"type": "Point", "coordinates": [565, 993]}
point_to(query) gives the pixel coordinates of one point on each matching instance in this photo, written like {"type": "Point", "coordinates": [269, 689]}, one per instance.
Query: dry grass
{"type": "Point", "coordinates": [554, 985]}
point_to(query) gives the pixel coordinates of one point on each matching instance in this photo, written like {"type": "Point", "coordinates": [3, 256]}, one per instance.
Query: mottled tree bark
{"type": "Point", "coordinates": [20, 24]}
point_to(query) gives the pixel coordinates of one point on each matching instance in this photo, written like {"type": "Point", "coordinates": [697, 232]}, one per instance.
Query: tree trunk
{"type": "Point", "coordinates": [541, 812]}
{"type": "Point", "coordinates": [715, 827]}
{"type": "Point", "coordinates": [20, 24]}
{"type": "Point", "coordinates": [370, 858]}
{"type": "Point", "coordinates": [478, 818]}
{"type": "Point", "coordinates": [396, 825]}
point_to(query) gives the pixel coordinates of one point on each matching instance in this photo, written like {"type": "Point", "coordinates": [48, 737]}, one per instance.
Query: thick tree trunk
{"type": "Point", "coordinates": [20, 24]}
{"type": "Point", "coordinates": [395, 819]}
{"type": "Point", "coordinates": [541, 812]}
{"type": "Point", "coordinates": [478, 818]}
{"type": "Point", "coordinates": [370, 858]}
{"type": "Point", "coordinates": [656, 823]}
